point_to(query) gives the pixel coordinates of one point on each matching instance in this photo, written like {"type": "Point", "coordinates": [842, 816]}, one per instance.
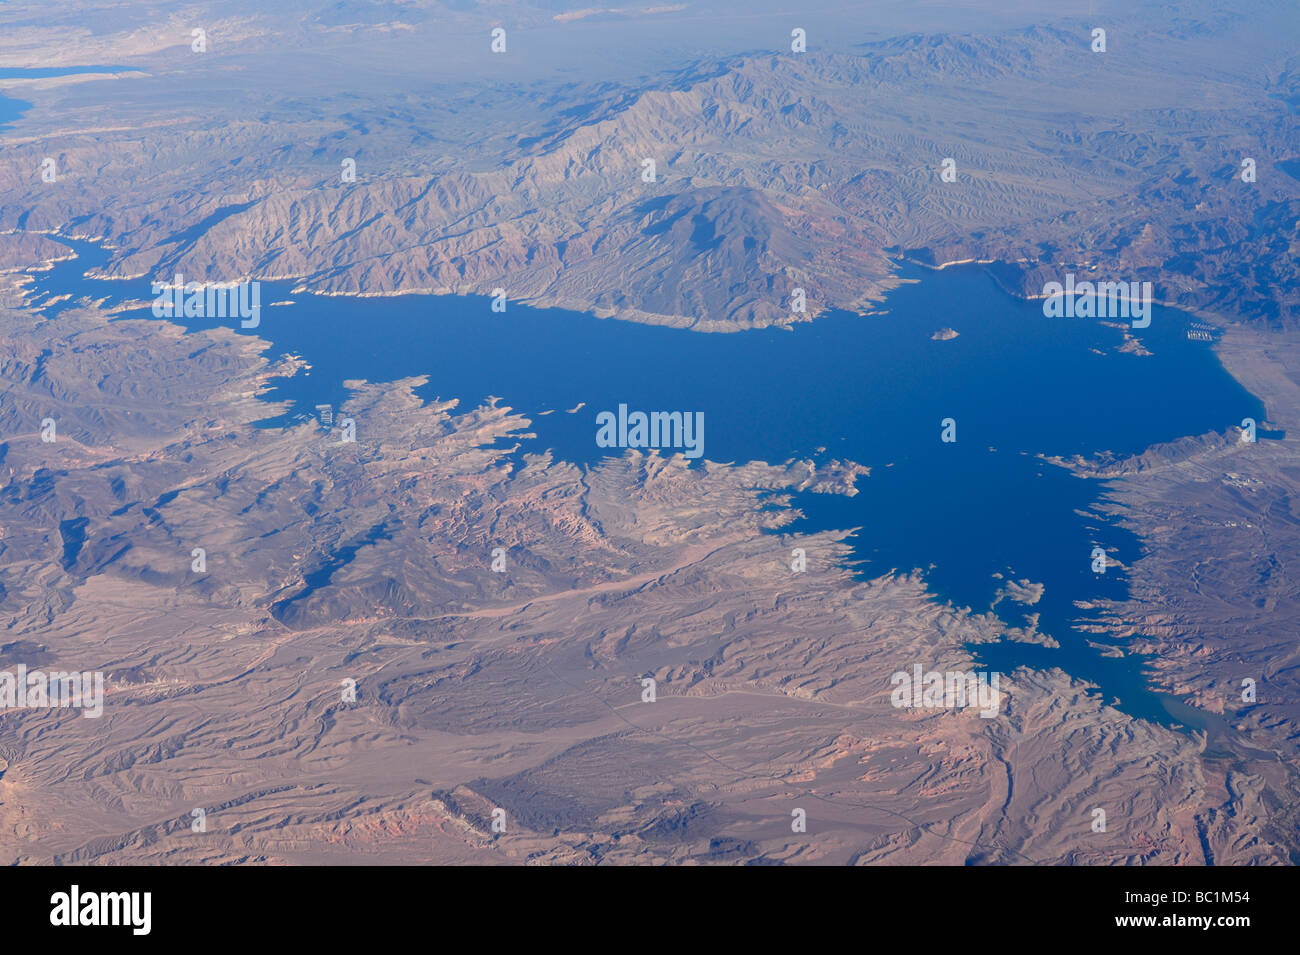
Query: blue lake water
{"type": "Point", "coordinates": [10, 110]}
{"type": "Point", "coordinates": [45, 72]}
{"type": "Point", "coordinates": [868, 389]}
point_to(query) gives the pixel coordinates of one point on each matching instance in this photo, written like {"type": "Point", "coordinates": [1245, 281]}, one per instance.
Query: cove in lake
{"type": "Point", "coordinates": [868, 389]}
{"type": "Point", "coordinates": [10, 110]}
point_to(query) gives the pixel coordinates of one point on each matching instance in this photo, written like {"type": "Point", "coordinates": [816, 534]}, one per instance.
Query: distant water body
{"type": "Point", "coordinates": [12, 109]}
{"type": "Point", "coordinates": [874, 390]}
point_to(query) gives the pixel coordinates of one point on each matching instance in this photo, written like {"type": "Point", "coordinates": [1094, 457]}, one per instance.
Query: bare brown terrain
{"type": "Point", "coordinates": [773, 172]}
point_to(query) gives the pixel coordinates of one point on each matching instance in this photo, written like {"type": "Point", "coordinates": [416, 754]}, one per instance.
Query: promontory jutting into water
{"type": "Point", "coordinates": [872, 390]}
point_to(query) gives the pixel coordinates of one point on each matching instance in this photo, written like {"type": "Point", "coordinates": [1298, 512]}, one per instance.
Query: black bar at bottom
{"type": "Point", "coordinates": [342, 906]}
